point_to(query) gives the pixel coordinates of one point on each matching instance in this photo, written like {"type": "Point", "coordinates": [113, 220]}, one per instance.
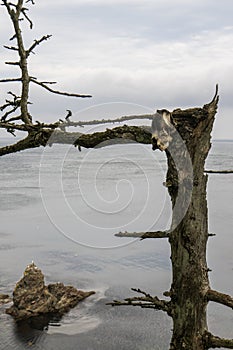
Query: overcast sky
{"type": "Point", "coordinates": [133, 56]}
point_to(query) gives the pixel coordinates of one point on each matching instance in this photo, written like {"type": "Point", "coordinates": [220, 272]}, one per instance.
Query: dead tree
{"type": "Point", "coordinates": [190, 291]}
{"type": "Point", "coordinates": [15, 111]}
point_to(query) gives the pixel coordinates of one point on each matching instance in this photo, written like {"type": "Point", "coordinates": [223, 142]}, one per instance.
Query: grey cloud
{"type": "Point", "coordinates": [154, 53]}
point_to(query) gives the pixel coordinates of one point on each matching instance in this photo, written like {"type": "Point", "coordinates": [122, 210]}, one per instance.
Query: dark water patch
{"type": "Point", "coordinates": [7, 246]}
{"type": "Point", "coordinates": [19, 188]}
{"type": "Point", "coordinates": [4, 235]}
{"type": "Point", "coordinates": [74, 262]}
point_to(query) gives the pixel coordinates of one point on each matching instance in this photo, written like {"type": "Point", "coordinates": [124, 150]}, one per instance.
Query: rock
{"type": "Point", "coordinates": [32, 298]}
{"type": "Point", "coordinates": [5, 299]}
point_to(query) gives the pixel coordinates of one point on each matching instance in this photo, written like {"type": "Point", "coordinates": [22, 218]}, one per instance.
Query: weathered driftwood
{"type": "Point", "coordinates": [32, 298]}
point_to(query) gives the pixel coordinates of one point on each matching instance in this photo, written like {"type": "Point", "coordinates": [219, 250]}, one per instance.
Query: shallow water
{"type": "Point", "coordinates": [61, 208]}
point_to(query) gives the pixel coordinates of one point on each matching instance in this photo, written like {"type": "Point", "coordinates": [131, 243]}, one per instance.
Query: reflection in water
{"type": "Point", "coordinates": [30, 332]}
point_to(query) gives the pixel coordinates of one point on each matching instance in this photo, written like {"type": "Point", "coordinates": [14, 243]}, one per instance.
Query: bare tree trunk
{"type": "Point", "coordinates": [189, 234]}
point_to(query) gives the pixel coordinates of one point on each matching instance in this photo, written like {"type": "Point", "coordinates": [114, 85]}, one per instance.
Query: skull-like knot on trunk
{"type": "Point", "coordinates": [161, 130]}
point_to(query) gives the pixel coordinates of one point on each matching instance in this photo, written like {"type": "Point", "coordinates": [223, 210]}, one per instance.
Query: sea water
{"type": "Point", "coordinates": [61, 208]}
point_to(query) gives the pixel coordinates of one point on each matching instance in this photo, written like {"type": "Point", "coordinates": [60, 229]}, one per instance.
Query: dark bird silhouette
{"type": "Point", "coordinates": [11, 131]}
{"type": "Point", "coordinates": [68, 115]}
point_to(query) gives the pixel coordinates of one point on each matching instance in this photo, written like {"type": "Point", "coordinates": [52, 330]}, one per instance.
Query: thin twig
{"type": "Point", "coordinates": [36, 43]}
{"type": "Point", "coordinates": [23, 10]}
{"type": "Point", "coordinates": [3, 118]}
{"type": "Point", "coordinates": [11, 48]}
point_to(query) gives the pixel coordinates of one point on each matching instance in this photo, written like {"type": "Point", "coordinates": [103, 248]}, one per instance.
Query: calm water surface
{"type": "Point", "coordinates": [61, 208]}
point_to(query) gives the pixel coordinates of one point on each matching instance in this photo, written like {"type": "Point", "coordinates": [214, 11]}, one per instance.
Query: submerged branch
{"type": "Point", "coordinates": [221, 298]}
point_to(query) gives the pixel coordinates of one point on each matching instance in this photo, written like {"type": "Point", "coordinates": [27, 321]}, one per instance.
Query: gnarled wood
{"type": "Point", "coordinates": [188, 240]}
{"type": "Point", "coordinates": [211, 341]}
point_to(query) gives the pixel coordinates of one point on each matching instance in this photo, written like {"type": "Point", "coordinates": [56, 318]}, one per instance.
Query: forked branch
{"type": "Point", "coordinates": [147, 301]}
{"type": "Point", "coordinates": [33, 140]}
{"type": "Point", "coordinates": [36, 43]}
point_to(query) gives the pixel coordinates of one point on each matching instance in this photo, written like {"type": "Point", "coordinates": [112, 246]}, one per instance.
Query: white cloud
{"type": "Point", "coordinates": [137, 61]}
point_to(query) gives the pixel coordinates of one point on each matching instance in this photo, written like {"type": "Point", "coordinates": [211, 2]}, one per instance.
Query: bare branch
{"type": "Point", "coordinates": [11, 4]}
{"type": "Point", "coordinates": [216, 97]}
{"type": "Point", "coordinates": [212, 341]}
{"type": "Point", "coordinates": [23, 10]}
{"type": "Point", "coordinates": [36, 43]}
{"type": "Point", "coordinates": [13, 37]}
{"type": "Point", "coordinates": [13, 63]}
{"type": "Point", "coordinates": [9, 80]}
{"type": "Point", "coordinates": [221, 298]}
{"type": "Point", "coordinates": [21, 127]}
{"type": "Point", "coordinates": [11, 48]}
{"type": "Point", "coordinates": [144, 235]}
{"type": "Point", "coordinates": [56, 91]}
{"type": "Point", "coordinates": [33, 140]}
{"type": "Point", "coordinates": [109, 121]}
{"type": "Point", "coordinates": [3, 118]}
{"type": "Point", "coordinates": [49, 82]}
{"type": "Point", "coordinates": [138, 290]}
{"type": "Point", "coordinates": [14, 15]}
{"type": "Point", "coordinates": [117, 135]}
{"type": "Point", "coordinates": [15, 104]}
{"type": "Point", "coordinates": [213, 104]}
{"type": "Point", "coordinates": [147, 301]}
{"type": "Point", "coordinates": [13, 119]}
{"type": "Point", "coordinates": [219, 171]}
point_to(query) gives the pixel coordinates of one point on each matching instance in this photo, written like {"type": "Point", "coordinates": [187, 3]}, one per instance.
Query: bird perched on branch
{"type": "Point", "coordinates": [69, 114]}
{"type": "Point", "coordinates": [160, 129]}
{"type": "Point", "coordinates": [11, 131]}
